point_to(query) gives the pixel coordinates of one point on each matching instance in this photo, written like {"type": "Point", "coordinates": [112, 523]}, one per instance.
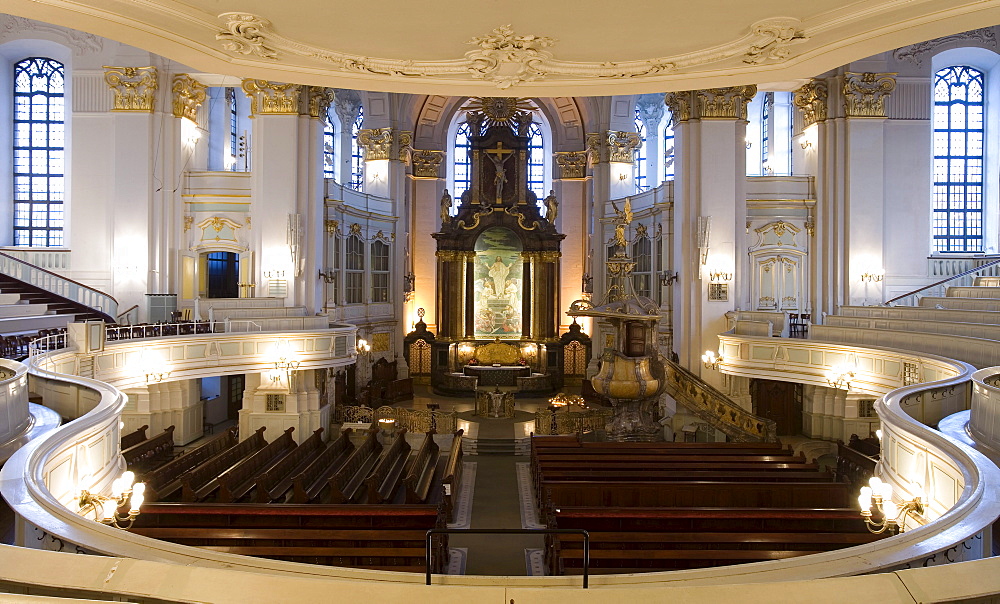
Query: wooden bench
{"type": "Point", "coordinates": [346, 485]}
{"type": "Point", "coordinates": [360, 536]}
{"type": "Point", "coordinates": [623, 474]}
{"type": "Point", "coordinates": [311, 482]}
{"type": "Point", "coordinates": [133, 438]}
{"type": "Point", "coordinates": [421, 475]}
{"type": "Point", "coordinates": [237, 481]}
{"type": "Point", "coordinates": [202, 481]}
{"type": "Point", "coordinates": [276, 481]}
{"type": "Point", "coordinates": [388, 473]}
{"type": "Point", "coordinates": [452, 481]}
{"type": "Point", "coordinates": [150, 452]}
{"type": "Point", "coordinates": [856, 461]}
{"type": "Point", "coordinates": [165, 480]}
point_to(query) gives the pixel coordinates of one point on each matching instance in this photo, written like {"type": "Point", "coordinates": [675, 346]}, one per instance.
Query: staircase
{"type": "Point", "coordinates": [58, 305]}
{"type": "Point", "coordinates": [62, 296]}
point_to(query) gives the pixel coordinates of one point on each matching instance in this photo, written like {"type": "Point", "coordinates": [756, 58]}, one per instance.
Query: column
{"type": "Point", "coordinates": [427, 187]}
{"type": "Point", "coordinates": [811, 102]}
{"type": "Point", "coordinates": [572, 189]}
{"type": "Point", "coordinates": [279, 399]}
{"type": "Point", "coordinates": [709, 215]}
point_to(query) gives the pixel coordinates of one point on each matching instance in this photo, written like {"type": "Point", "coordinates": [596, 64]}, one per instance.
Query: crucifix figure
{"type": "Point", "coordinates": [499, 157]}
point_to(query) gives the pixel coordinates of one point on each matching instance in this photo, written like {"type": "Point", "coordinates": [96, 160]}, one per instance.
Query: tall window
{"type": "Point", "coordinates": [639, 168]}
{"type": "Point", "coordinates": [668, 147]}
{"type": "Point", "coordinates": [39, 152]}
{"type": "Point", "coordinates": [380, 271]}
{"type": "Point", "coordinates": [355, 286]}
{"type": "Point", "coordinates": [765, 128]}
{"type": "Point", "coordinates": [957, 194]}
{"type": "Point", "coordinates": [642, 274]}
{"type": "Point", "coordinates": [234, 127]}
{"type": "Point", "coordinates": [357, 158]}
{"type": "Point", "coordinates": [329, 149]}
{"type": "Point", "coordinates": [463, 163]}
{"type": "Point", "coordinates": [536, 162]}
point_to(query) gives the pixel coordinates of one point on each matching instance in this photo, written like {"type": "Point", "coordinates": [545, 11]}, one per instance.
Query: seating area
{"type": "Point", "coordinates": [671, 506]}
{"type": "Point", "coordinates": [335, 503]}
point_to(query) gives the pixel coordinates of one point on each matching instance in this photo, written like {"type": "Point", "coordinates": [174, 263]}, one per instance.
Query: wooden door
{"type": "Point", "coordinates": [780, 401]}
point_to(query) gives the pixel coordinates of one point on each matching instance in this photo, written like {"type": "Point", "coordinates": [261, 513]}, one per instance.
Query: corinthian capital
{"type": "Point", "coordinates": [811, 101]}
{"type": "Point", "coordinates": [272, 98]}
{"type": "Point", "coordinates": [572, 163]}
{"type": "Point", "coordinates": [679, 104]}
{"type": "Point", "coordinates": [865, 93]}
{"type": "Point", "coordinates": [320, 100]}
{"type": "Point", "coordinates": [728, 102]}
{"type": "Point", "coordinates": [189, 94]}
{"type": "Point", "coordinates": [134, 87]}
{"type": "Point", "coordinates": [426, 163]}
{"type": "Point", "coordinates": [376, 142]}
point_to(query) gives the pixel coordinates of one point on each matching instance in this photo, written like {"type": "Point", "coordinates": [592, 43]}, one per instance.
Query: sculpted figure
{"type": "Point", "coordinates": [551, 207]}
{"type": "Point", "coordinates": [445, 208]}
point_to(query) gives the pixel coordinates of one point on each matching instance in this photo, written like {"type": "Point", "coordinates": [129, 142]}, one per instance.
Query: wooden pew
{"type": "Point", "coordinates": [388, 473]}
{"type": "Point", "coordinates": [237, 481]}
{"type": "Point", "coordinates": [274, 483]}
{"type": "Point", "coordinates": [722, 475]}
{"type": "Point", "coordinates": [421, 475]}
{"type": "Point", "coordinates": [346, 485]}
{"type": "Point", "coordinates": [311, 482]}
{"type": "Point", "coordinates": [359, 536]}
{"type": "Point", "coordinates": [202, 481]}
{"type": "Point", "coordinates": [452, 481]}
{"type": "Point", "coordinates": [643, 540]}
{"type": "Point", "coordinates": [150, 452]}
{"type": "Point", "coordinates": [856, 461]}
{"type": "Point", "coordinates": [165, 480]}
{"type": "Point", "coordinates": [133, 438]}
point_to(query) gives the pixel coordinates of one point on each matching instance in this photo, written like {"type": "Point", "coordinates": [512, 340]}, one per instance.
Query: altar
{"type": "Point", "coordinates": [504, 375]}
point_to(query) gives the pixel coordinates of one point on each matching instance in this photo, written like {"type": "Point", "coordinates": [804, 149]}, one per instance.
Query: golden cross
{"type": "Point", "coordinates": [500, 151]}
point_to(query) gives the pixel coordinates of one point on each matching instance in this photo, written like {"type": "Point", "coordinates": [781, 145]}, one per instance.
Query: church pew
{"type": "Point", "coordinates": [165, 480]}
{"type": "Point", "coordinates": [421, 475]}
{"type": "Point", "coordinates": [202, 481]}
{"type": "Point", "coordinates": [695, 494]}
{"type": "Point", "coordinates": [311, 482]}
{"type": "Point", "coordinates": [133, 438]}
{"type": "Point", "coordinates": [723, 475]}
{"type": "Point", "coordinates": [387, 475]}
{"type": "Point", "coordinates": [151, 451]}
{"type": "Point", "coordinates": [275, 482]}
{"type": "Point", "coordinates": [346, 485]}
{"type": "Point", "coordinates": [452, 481]}
{"type": "Point", "coordinates": [238, 480]}
{"type": "Point", "coordinates": [360, 536]}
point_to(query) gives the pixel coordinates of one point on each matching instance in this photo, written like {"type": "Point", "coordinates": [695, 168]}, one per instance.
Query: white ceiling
{"type": "Point", "coordinates": [552, 47]}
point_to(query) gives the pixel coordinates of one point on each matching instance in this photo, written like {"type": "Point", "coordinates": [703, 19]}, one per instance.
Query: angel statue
{"type": "Point", "coordinates": [551, 207]}
{"type": "Point", "coordinates": [623, 218]}
{"type": "Point", "coordinates": [445, 208]}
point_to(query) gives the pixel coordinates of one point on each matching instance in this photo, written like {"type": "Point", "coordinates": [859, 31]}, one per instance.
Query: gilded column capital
{"type": "Point", "coordinates": [320, 100]}
{"type": "Point", "coordinates": [134, 87]}
{"type": "Point", "coordinates": [622, 146]}
{"type": "Point", "coordinates": [451, 255]}
{"type": "Point", "coordinates": [572, 163]}
{"type": "Point", "coordinates": [427, 164]}
{"type": "Point", "coordinates": [550, 256]}
{"type": "Point", "coordinates": [811, 101]}
{"type": "Point", "coordinates": [865, 93]}
{"type": "Point", "coordinates": [728, 102]}
{"type": "Point", "coordinates": [679, 104]}
{"type": "Point", "coordinates": [594, 146]}
{"type": "Point", "coordinates": [376, 143]}
{"type": "Point", "coordinates": [189, 94]}
{"type": "Point", "coordinates": [272, 98]}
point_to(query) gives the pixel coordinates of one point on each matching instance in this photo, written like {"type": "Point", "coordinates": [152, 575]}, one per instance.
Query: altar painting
{"type": "Point", "coordinates": [498, 284]}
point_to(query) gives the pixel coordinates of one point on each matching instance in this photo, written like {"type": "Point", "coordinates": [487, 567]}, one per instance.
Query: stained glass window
{"type": "Point", "coordinates": [329, 149]}
{"type": "Point", "coordinates": [39, 152]}
{"type": "Point", "coordinates": [957, 194]}
{"type": "Point", "coordinates": [463, 163]}
{"type": "Point", "coordinates": [668, 148]}
{"type": "Point", "coordinates": [357, 158]}
{"type": "Point", "coordinates": [536, 162]}
{"type": "Point", "coordinates": [639, 168]}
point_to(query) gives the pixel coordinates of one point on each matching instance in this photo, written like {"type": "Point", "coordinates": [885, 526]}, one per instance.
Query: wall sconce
{"type": "Point", "coordinates": [622, 176]}
{"type": "Point", "coordinates": [156, 377]}
{"type": "Point", "coordinates": [329, 276]}
{"type": "Point", "coordinates": [668, 277]}
{"type": "Point", "coordinates": [711, 361]}
{"type": "Point", "coordinates": [105, 508]}
{"type": "Point", "coordinates": [871, 277]}
{"type": "Point", "coordinates": [806, 144]}
{"type": "Point", "coordinates": [274, 274]}
{"type": "Point", "coordinates": [840, 376]}
{"type": "Point", "coordinates": [879, 494]}
{"type": "Point", "coordinates": [190, 134]}
{"type": "Point", "coordinates": [749, 144]}
{"type": "Point", "coordinates": [720, 277]}
{"type": "Point", "coordinates": [363, 347]}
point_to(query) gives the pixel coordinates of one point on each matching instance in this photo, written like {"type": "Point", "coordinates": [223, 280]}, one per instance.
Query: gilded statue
{"type": "Point", "coordinates": [445, 208]}
{"type": "Point", "coordinates": [551, 206]}
{"type": "Point", "coordinates": [623, 218]}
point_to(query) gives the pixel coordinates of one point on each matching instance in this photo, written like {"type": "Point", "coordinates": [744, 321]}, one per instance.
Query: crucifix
{"type": "Point", "coordinates": [499, 157]}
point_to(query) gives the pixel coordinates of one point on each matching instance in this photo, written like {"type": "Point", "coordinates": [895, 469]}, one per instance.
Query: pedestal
{"type": "Point", "coordinates": [635, 421]}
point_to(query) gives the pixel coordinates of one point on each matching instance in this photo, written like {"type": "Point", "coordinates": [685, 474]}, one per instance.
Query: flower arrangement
{"type": "Point", "coordinates": [523, 362]}
{"type": "Point", "coordinates": [472, 361]}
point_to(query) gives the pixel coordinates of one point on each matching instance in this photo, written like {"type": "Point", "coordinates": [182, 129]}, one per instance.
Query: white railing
{"type": "Point", "coordinates": [241, 325]}
{"type": "Point", "coordinates": [47, 258]}
{"type": "Point", "coordinates": [160, 330]}
{"type": "Point", "coordinates": [57, 284]}
{"type": "Point", "coordinates": [984, 420]}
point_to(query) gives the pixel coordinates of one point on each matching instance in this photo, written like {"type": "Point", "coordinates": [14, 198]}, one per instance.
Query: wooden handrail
{"type": "Point", "coordinates": [964, 273]}
{"type": "Point", "coordinates": [130, 309]}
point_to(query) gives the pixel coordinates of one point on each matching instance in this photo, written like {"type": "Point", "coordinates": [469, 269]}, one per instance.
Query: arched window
{"type": "Point", "coordinates": [668, 147]}
{"type": "Point", "coordinates": [957, 194]}
{"type": "Point", "coordinates": [769, 135]}
{"type": "Point", "coordinates": [234, 127]}
{"type": "Point", "coordinates": [380, 271]}
{"type": "Point", "coordinates": [357, 158]}
{"type": "Point", "coordinates": [536, 162]}
{"type": "Point", "coordinates": [462, 165]}
{"type": "Point", "coordinates": [354, 287]}
{"type": "Point", "coordinates": [765, 127]}
{"type": "Point", "coordinates": [39, 152]}
{"type": "Point", "coordinates": [639, 169]}
{"type": "Point", "coordinates": [329, 148]}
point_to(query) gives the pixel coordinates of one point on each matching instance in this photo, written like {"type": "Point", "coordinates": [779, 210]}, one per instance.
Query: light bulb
{"type": "Point", "coordinates": [117, 488]}
{"type": "Point", "coordinates": [137, 499]}
{"type": "Point", "coordinates": [865, 498]}
{"type": "Point", "coordinates": [890, 510]}
{"type": "Point", "coordinates": [886, 491]}
{"type": "Point", "coordinates": [875, 483]}
{"type": "Point", "coordinates": [108, 510]}
{"type": "Point", "coordinates": [916, 491]}
{"type": "Point", "coordinates": [139, 488]}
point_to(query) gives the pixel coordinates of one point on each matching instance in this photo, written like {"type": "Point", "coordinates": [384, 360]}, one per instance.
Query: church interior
{"type": "Point", "coordinates": [500, 304]}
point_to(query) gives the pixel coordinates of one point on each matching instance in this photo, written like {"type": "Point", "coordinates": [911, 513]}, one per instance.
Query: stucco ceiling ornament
{"type": "Point", "coordinates": [81, 42]}
{"type": "Point", "coordinates": [915, 52]}
{"type": "Point", "coordinates": [508, 59]}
